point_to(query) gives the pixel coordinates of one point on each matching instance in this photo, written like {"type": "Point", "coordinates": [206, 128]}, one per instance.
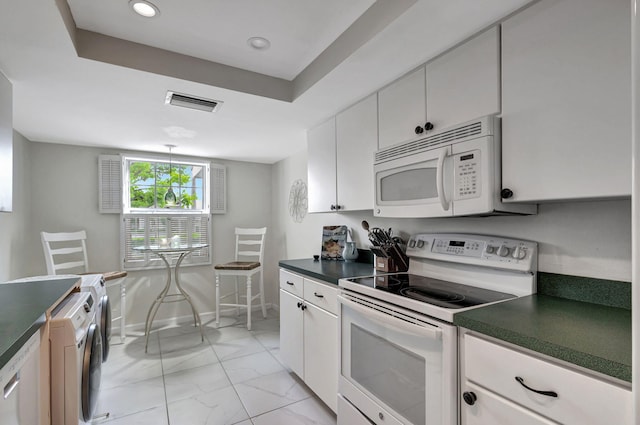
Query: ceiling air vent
{"type": "Point", "coordinates": [187, 101]}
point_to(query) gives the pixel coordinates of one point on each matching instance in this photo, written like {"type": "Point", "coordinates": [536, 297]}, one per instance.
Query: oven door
{"type": "Point", "coordinates": [416, 185]}
{"type": "Point", "coordinates": [396, 366]}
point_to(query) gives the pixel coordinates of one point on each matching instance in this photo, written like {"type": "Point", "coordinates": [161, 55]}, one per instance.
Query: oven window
{"type": "Point", "coordinates": [391, 373]}
{"type": "Point", "coordinates": [409, 185]}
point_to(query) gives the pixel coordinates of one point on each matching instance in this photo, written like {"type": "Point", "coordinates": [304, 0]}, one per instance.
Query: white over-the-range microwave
{"type": "Point", "coordinates": [454, 172]}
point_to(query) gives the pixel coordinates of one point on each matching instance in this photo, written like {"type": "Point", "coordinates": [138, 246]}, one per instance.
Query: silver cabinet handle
{"type": "Point", "coordinates": [11, 385]}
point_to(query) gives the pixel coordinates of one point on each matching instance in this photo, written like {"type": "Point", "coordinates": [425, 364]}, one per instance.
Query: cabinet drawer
{"type": "Point", "coordinates": [321, 295]}
{"type": "Point", "coordinates": [581, 399]}
{"type": "Point", "coordinates": [291, 283]}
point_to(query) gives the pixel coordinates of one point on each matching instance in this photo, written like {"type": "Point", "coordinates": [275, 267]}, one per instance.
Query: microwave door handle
{"type": "Point", "coordinates": [440, 180]}
{"type": "Point", "coordinates": [386, 320]}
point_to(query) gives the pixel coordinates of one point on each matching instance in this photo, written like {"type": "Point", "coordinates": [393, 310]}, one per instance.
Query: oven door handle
{"type": "Point", "coordinates": [440, 180]}
{"type": "Point", "coordinates": [387, 320]}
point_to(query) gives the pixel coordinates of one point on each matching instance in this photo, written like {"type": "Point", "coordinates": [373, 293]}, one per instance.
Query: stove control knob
{"type": "Point", "coordinates": [412, 243]}
{"type": "Point", "coordinates": [503, 251]}
{"type": "Point", "coordinates": [491, 249]}
{"type": "Point", "coordinates": [420, 244]}
{"type": "Point", "coordinates": [519, 253]}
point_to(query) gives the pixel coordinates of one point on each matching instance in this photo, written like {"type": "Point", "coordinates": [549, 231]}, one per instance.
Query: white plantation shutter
{"type": "Point", "coordinates": [110, 184]}
{"type": "Point", "coordinates": [146, 229]}
{"type": "Point", "coordinates": [218, 189]}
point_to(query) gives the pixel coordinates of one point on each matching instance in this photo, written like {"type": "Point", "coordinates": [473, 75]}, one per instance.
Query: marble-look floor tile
{"type": "Point", "coordinates": [270, 392]}
{"type": "Point", "coordinates": [201, 355]}
{"type": "Point", "coordinates": [219, 407]}
{"type": "Point", "coordinates": [251, 367]}
{"type": "Point", "coordinates": [182, 341]}
{"type": "Point", "coordinates": [237, 348]}
{"type": "Point", "coordinates": [306, 412]}
{"type": "Point", "coordinates": [155, 416]}
{"type": "Point", "coordinates": [128, 363]}
{"type": "Point", "coordinates": [195, 382]}
{"type": "Point", "coordinates": [229, 333]}
{"type": "Point", "coordinates": [268, 324]}
{"type": "Point", "coordinates": [131, 398]}
{"type": "Point", "coordinates": [269, 339]}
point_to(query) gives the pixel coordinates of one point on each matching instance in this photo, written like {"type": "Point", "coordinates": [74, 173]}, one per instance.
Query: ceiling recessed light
{"type": "Point", "coordinates": [259, 43]}
{"type": "Point", "coordinates": [144, 8]}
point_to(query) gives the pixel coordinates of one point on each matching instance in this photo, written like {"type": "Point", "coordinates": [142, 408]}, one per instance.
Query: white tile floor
{"type": "Point", "coordinates": [233, 377]}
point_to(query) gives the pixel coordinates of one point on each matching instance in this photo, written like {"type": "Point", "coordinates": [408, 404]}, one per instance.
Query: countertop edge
{"type": "Point", "coordinates": [575, 357]}
{"type": "Point", "coordinates": [17, 345]}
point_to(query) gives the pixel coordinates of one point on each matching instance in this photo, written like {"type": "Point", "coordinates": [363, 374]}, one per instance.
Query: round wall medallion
{"type": "Point", "coordinates": [298, 200]}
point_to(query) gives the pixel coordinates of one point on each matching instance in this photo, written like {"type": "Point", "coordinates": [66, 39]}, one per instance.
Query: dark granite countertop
{"type": "Point", "coordinates": [23, 308]}
{"type": "Point", "coordinates": [328, 271]}
{"type": "Point", "coordinates": [597, 337]}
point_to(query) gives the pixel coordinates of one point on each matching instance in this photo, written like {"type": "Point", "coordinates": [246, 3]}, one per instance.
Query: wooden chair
{"type": "Point", "coordinates": [66, 252]}
{"type": "Point", "coordinates": [248, 262]}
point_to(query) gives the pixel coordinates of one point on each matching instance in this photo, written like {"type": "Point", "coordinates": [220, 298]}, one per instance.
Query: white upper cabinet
{"type": "Point", "coordinates": [6, 144]}
{"type": "Point", "coordinates": [461, 85]}
{"type": "Point", "coordinates": [401, 108]}
{"type": "Point", "coordinates": [464, 83]}
{"type": "Point", "coordinates": [321, 166]}
{"type": "Point", "coordinates": [566, 98]}
{"type": "Point", "coordinates": [340, 159]}
{"type": "Point", "coordinates": [356, 143]}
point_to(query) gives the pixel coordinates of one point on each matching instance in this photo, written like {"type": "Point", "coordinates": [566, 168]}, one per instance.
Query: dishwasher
{"type": "Point", "coordinates": [20, 384]}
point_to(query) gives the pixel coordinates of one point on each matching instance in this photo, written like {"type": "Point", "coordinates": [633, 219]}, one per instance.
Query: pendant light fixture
{"type": "Point", "coordinates": [170, 199]}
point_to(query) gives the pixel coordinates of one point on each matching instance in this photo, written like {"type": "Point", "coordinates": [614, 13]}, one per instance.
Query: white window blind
{"type": "Point", "coordinates": [149, 229]}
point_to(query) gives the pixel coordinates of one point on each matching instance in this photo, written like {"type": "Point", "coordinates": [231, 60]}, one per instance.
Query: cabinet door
{"type": "Point", "coordinates": [401, 107]}
{"type": "Point", "coordinates": [321, 166]}
{"type": "Point", "coordinates": [321, 354]}
{"type": "Point", "coordinates": [490, 409]}
{"type": "Point", "coordinates": [356, 143]}
{"type": "Point", "coordinates": [464, 83]}
{"type": "Point", "coordinates": [566, 94]}
{"type": "Point", "coordinates": [291, 328]}
{"type": "Point", "coordinates": [6, 144]}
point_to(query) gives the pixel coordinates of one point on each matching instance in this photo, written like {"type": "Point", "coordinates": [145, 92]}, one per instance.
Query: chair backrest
{"type": "Point", "coordinates": [250, 244]}
{"type": "Point", "coordinates": [63, 251]}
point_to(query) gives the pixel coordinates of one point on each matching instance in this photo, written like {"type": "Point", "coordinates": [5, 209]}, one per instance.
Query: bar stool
{"type": "Point", "coordinates": [248, 262]}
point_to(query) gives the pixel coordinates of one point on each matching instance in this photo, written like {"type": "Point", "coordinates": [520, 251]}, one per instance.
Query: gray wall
{"type": "Point", "coordinates": [579, 238]}
{"type": "Point", "coordinates": [64, 197]}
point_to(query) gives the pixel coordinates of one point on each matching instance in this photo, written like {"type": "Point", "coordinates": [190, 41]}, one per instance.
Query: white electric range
{"type": "Point", "coordinates": [398, 348]}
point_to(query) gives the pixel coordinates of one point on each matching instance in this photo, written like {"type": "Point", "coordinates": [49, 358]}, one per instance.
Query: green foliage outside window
{"type": "Point", "coordinates": [150, 181]}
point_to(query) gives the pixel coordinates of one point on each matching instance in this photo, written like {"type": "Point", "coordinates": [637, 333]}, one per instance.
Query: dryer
{"type": "Point", "coordinates": [76, 360]}
{"type": "Point", "coordinates": [94, 283]}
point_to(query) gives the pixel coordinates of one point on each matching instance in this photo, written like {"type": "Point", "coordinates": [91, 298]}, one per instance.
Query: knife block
{"type": "Point", "coordinates": [383, 264]}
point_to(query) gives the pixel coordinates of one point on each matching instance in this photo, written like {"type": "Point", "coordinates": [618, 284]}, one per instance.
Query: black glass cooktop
{"type": "Point", "coordinates": [432, 291]}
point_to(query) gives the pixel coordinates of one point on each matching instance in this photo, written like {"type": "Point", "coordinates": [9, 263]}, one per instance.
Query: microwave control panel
{"type": "Point", "coordinates": [467, 175]}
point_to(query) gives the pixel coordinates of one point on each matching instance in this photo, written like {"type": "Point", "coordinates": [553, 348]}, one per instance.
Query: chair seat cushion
{"type": "Point", "coordinates": [238, 265]}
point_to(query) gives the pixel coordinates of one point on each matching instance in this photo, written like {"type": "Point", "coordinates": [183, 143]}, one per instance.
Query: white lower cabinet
{"type": "Point", "coordinates": [501, 385]}
{"type": "Point", "coordinates": [309, 333]}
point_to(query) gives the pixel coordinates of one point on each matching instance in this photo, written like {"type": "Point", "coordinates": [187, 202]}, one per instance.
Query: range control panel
{"type": "Point", "coordinates": [490, 251]}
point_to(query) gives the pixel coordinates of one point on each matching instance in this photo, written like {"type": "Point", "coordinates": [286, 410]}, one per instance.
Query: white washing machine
{"type": "Point", "coordinates": [76, 360]}
{"type": "Point", "coordinates": [95, 284]}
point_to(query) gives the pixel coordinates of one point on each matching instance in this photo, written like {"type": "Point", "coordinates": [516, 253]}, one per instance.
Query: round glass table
{"type": "Point", "coordinates": [166, 253]}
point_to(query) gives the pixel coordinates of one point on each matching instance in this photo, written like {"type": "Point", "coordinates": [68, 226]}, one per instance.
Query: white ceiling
{"type": "Point", "coordinates": [80, 84]}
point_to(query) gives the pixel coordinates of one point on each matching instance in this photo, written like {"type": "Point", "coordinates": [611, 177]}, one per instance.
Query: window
{"type": "Point", "coordinates": [149, 215]}
{"type": "Point", "coordinates": [147, 182]}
